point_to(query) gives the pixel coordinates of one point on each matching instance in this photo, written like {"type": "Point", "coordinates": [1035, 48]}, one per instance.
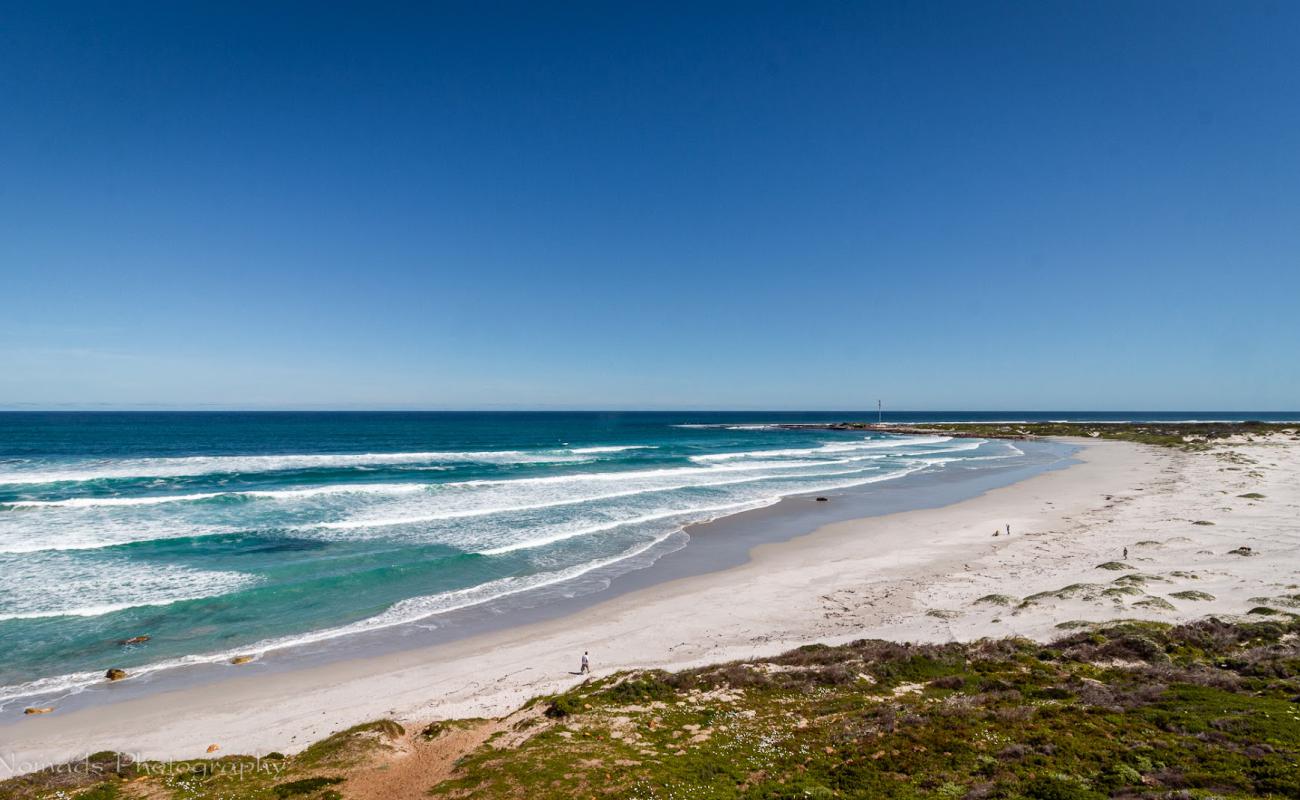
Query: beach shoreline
{"type": "Point", "coordinates": [920, 579]}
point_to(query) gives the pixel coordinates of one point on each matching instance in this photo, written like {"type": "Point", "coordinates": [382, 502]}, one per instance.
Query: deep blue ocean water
{"type": "Point", "coordinates": [242, 533]}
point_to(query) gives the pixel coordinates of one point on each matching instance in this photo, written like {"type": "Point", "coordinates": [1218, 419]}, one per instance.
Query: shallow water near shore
{"type": "Point", "coordinates": [377, 575]}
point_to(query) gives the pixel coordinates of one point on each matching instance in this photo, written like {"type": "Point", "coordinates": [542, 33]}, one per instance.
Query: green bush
{"type": "Point", "coordinates": [562, 706]}
{"type": "Point", "coordinates": [1059, 787]}
{"type": "Point", "coordinates": [304, 786]}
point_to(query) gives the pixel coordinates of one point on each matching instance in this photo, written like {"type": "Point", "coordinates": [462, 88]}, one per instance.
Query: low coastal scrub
{"type": "Point", "coordinates": [1182, 435]}
{"type": "Point", "coordinates": [1129, 709]}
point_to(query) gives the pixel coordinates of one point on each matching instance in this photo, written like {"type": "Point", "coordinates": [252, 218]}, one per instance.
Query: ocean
{"type": "Point", "coordinates": [222, 534]}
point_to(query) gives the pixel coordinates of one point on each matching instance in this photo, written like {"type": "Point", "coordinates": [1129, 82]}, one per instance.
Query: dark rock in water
{"type": "Point", "coordinates": [821, 499]}
{"type": "Point", "coordinates": [115, 674]}
{"type": "Point", "coordinates": [134, 640]}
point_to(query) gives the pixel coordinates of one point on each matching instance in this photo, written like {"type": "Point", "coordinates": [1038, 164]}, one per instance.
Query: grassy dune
{"type": "Point", "coordinates": [1209, 709]}
{"type": "Point", "coordinates": [1186, 435]}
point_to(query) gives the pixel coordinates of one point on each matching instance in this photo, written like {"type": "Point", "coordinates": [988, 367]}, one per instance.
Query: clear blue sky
{"type": "Point", "coordinates": [966, 205]}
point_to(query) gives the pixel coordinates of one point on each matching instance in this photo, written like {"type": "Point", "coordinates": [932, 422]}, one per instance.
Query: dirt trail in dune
{"type": "Point", "coordinates": [415, 764]}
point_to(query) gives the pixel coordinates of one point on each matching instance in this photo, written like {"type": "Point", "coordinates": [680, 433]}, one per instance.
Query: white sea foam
{"type": "Point", "coordinates": [404, 612]}
{"type": "Point", "coordinates": [108, 502]}
{"type": "Point", "coordinates": [822, 450]}
{"type": "Point", "coordinates": [263, 494]}
{"type": "Point", "coordinates": [209, 465]}
{"type": "Point", "coordinates": [690, 513]}
{"type": "Point", "coordinates": [958, 447]}
{"type": "Point", "coordinates": [91, 523]}
{"type": "Point", "coordinates": [497, 536]}
{"type": "Point", "coordinates": [57, 585]}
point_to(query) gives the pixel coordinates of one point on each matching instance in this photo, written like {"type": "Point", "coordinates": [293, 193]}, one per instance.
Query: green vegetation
{"type": "Point", "coordinates": [350, 746]}
{"type": "Point", "coordinates": [1198, 710]}
{"type": "Point", "coordinates": [304, 786]}
{"type": "Point", "coordinates": [1158, 603]}
{"type": "Point", "coordinates": [1191, 594]}
{"type": "Point", "coordinates": [1127, 709]}
{"type": "Point", "coordinates": [1183, 435]}
{"type": "Point", "coordinates": [1252, 496]}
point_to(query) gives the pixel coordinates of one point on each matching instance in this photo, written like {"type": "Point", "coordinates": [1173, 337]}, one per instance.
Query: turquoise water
{"type": "Point", "coordinates": [221, 534]}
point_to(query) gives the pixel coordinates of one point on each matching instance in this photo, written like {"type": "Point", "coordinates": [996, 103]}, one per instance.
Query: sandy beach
{"type": "Point", "coordinates": [1195, 546]}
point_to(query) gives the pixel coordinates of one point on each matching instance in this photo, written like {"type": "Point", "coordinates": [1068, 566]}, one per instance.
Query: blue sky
{"type": "Point", "coordinates": [967, 205]}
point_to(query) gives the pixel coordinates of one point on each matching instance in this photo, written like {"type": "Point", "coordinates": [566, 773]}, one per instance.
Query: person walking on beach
{"type": "Point", "coordinates": [586, 665]}
{"type": "Point", "coordinates": [1008, 529]}
{"type": "Point", "coordinates": [1125, 553]}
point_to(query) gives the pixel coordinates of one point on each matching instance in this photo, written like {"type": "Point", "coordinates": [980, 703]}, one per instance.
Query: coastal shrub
{"type": "Point", "coordinates": [1192, 594]}
{"type": "Point", "coordinates": [1156, 603]}
{"type": "Point", "coordinates": [646, 688]}
{"type": "Point", "coordinates": [434, 729]}
{"type": "Point", "coordinates": [304, 786]}
{"type": "Point", "coordinates": [1129, 647]}
{"type": "Point", "coordinates": [1142, 579]}
{"type": "Point", "coordinates": [1114, 565]}
{"type": "Point", "coordinates": [1074, 624]}
{"type": "Point", "coordinates": [1059, 787]}
{"type": "Point", "coordinates": [1120, 591]}
{"type": "Point", "coordinates": [1131, 709]}
{"type": "Point", "coordinates": [1252, 496]}
{"type": "Point", "coordinates": [562, 706]}
{"type": "Point", "coordinates": [995, 600]}
{"type": "Point", "coordinates": [351, 744]}
{"type": "Point", "coordinates": [1273, 779]}
{"type": "Point", "coordinates": [104, 791]}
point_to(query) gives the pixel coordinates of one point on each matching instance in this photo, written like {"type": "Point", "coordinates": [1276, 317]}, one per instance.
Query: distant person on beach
{"type": "Point", "coordinates": [1008, 530]}
{"type": "Point", "coordinates": [586, 665]}
{"type": "Point", "coordinates": [1126, 553]}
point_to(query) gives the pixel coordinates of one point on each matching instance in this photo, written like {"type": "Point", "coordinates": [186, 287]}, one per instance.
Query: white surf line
{"type": "Point", "coordinates": [605, 526]}
{"type": "Point", "coordinates": [403, 612]}
{"type": "Point", "coordinates": [264, 494]}
{"type": "Point", "coordinates": [36, 547]}
{"type": "Point", "coordinates": [827, 448]}
{"type": "Point", "coordinates": [189, 466]}
{"type": "Point", "coordinates": [404, 488]}
{"type": "Point", "coordinates": [476, 512]}
{"type": "Point", "coordinates": [733, 507]}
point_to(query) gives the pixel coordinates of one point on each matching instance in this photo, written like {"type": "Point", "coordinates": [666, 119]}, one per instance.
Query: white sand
{"type": "Point", "coordinates": [909, 576]}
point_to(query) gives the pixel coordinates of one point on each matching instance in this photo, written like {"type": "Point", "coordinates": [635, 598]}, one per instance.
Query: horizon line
{"type": "Point", "coordinates": [620, 410]}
